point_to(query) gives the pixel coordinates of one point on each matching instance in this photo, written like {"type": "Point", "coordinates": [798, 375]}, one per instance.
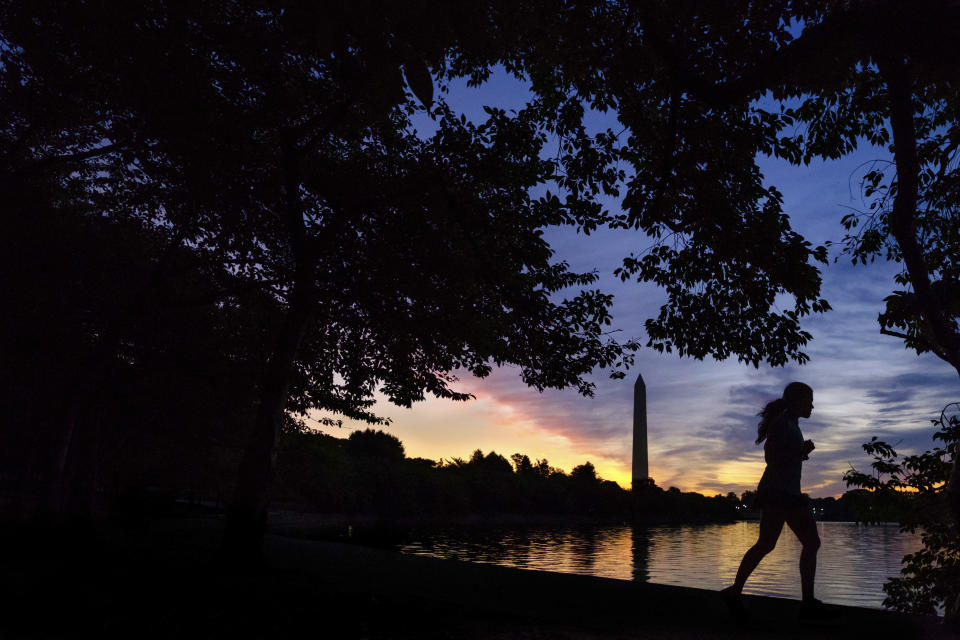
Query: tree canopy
{"type": "Point", "coordinates": [276, 142]}
{"type": "Point", "coordinates": [704, 91]}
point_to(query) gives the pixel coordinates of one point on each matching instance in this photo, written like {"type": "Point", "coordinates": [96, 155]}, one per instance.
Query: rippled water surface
{"type": "Point", "coordinates": [853, 563]}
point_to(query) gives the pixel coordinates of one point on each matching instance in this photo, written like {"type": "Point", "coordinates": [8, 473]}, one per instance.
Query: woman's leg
{"type": "Point", "coordinates": [771, 524]}
{"type": "Point", "coordinates": [801, 522]}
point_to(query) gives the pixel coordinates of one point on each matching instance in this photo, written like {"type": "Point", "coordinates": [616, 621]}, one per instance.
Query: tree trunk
{"type": "Point", "coordinates": [951, 613]}
{"type": "Point", "coordinates": [82, 474]}
{"type": "Point", "coordinates": [51, 509]}
{"type": "Point", "coordinates": [247, 513]}
{"type": "Point", "coordinates": [88, 381]}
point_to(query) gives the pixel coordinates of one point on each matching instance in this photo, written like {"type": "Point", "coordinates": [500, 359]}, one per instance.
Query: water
{"type": "Point", "coordinates": [853, 563]}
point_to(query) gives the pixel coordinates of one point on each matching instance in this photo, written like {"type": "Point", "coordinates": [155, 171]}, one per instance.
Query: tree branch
{"type": "Point", "coordinates": [818, 49]}
{"type": "Point", "coordinates": [824, 50]}
{"type": "Point", "coordinates": [903, 216]}
{"type": "Point", "coordinates": [53, 161]}
{"type": "Point", "coordinates": [669, 161]}
{"type": "Point", "coordinates": [946, 156]}
{"type": "Point", "coordinates": [895, 334]}
{"type": "Point", "coordinates": [321, 124]}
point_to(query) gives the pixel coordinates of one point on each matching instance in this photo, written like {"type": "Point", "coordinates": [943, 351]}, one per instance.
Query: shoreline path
{"type": "Point", "coordinates": [157, 579]}
{"type": "Point", "coordinates": [518, 603]}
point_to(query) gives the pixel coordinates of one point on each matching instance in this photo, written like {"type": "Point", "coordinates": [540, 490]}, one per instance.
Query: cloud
{"type": "Point", "coordinates": [702, 415]}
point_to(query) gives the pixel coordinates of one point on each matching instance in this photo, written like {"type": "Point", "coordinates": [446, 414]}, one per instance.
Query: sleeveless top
{"type": "Point", "coordinates": [783, 452]}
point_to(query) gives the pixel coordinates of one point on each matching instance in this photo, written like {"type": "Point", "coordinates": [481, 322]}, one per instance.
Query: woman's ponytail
{"type": "Point", "coordinates": [770, 411]}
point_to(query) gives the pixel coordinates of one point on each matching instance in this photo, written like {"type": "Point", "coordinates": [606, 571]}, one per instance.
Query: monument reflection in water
{"type": "Point", "coordinates": [853, 563]}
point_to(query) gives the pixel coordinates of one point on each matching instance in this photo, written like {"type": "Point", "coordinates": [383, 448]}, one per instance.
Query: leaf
{"type": "Point", "coordinates": [418, 79]}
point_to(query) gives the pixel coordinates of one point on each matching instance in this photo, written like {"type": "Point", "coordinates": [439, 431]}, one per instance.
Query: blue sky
{"type": "Point", "coordinates": [702, 414]}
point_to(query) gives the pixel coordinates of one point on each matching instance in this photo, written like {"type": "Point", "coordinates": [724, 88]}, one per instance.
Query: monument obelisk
{"type": "Point", "coordinates": [640, 470]}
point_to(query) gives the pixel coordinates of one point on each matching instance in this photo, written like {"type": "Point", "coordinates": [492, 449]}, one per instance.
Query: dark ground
{"type": "Point", "coordinates": [157, 580]}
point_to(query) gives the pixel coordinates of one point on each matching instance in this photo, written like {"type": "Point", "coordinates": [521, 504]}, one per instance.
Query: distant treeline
{"type": "Point", "coordinates": [856, 505]}
{"type": "Point", "coordinates": [369, 473]}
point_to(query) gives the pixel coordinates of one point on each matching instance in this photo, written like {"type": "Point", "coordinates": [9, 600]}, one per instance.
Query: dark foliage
{"type": "Point", "coordinates": [115, 324]}
{"type": "Point", "coordinates": [913, 491]}
{"type": "Point", "coordinates": [276, 141]}
{"type": "Point", "coordinates": [367, 473]}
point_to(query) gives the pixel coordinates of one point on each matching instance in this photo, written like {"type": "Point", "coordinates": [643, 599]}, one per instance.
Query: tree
{"type": "Point", "coordinates": [178, 379]}
{"type": "Point", "coordinates": [585, 474]}
{"type": "Point", "coordinates": [377, 445]}
{"type": "Point", "coordinates": [278, 140]}
{"type": "Point", "coordinates": [521, 464]}
{"type": "Point", "coordinates": [912, 490]}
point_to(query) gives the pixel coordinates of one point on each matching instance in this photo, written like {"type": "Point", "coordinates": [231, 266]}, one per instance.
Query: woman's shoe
{"type": "Point", "coordinates": [734, 601]}
{"type": "Point", "coordinates": [814, 610]}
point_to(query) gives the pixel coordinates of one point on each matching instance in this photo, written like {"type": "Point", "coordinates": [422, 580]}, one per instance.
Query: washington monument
{"type": "Point", "coordinates": [640, 470]}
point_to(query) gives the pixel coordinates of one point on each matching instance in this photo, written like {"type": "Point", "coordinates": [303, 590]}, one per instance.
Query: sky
{"type": "Point", "coordinates": [701, 415]}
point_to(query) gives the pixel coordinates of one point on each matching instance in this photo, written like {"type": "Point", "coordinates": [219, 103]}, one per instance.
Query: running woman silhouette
{"type": "Point", "coordinates": [779, 498]}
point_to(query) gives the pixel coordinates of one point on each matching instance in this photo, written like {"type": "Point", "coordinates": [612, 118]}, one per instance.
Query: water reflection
{"type": "Point", "coordinates": [854, 561]}
{"type": "Point", "coordinates": [640, 553]}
